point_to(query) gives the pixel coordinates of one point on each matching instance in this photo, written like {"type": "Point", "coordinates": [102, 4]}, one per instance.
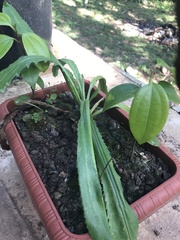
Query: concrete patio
{"type": "Point", "coordinates": [18, 218]}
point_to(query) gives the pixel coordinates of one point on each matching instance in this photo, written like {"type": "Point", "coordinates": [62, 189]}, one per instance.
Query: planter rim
{"type": "Point", "coordinates": [53, 224]}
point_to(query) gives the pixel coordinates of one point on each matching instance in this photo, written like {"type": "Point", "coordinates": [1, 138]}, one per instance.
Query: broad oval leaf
{"type": "Point", "coordinates": [119, 94]}
{"type": "Point", "coordinates": [31, 75]}
{"type": "Point", "coordinates": [21, 99]}
{"type": "Point", "coordinates": [42, 66]}
{"type": "Point", "coordinates": [5, 20]}
{"type": "Point", "coordinates": [35, 45]}
{"type": "Point", "coordinates": [55, 70]}
{"type": "Point", "coordinates": [148, 113]}
{"type": "Point", "coordinates": [40, 82]}
{"type": "Point", "coordinates": [170, 91]}
{"type": "Point", "coordinates": [6, 43]}
{"type": "Point", "coordinates": [16, 20]}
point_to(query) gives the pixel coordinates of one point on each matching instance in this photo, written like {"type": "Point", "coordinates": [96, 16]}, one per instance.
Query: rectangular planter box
{"type": "Point", "coordinates": [53, 224]}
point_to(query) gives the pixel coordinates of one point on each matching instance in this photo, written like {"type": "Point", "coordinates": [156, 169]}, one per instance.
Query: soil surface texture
{"type": "Point", "coordinates": [50, 137]}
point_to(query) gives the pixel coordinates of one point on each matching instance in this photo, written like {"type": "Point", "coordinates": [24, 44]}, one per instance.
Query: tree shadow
{"type": "Point", "coordinates": [100, 33]}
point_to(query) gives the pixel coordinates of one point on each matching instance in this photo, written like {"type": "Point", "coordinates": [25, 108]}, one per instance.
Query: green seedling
{"type": "Point", "coordinates": [51, 98]}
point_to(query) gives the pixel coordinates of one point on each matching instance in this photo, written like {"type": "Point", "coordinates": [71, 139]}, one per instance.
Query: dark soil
{"type": "Point", "coordinates": [50, 137]}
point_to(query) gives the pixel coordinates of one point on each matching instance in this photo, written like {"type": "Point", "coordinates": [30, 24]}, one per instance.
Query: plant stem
{"type": "Point", "coordinates": [105, 168]}
{"type": "Point", "coordinates": [36, 102]}
{"type": "Point", "coordinates": [133, 149]}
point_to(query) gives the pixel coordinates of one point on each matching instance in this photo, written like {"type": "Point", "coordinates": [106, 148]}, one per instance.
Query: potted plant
{"type": "Point", "coordinates": [106, 212]}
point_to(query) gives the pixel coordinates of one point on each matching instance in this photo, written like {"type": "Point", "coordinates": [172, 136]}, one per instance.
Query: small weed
{"type": "Point", "coordinates": [35, 117]}
{"type": "Point", "coordinates": [51, 98]}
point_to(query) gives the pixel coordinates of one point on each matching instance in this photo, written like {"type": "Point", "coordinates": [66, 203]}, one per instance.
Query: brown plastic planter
{"type": "Point", "coordinates": [54, 226]}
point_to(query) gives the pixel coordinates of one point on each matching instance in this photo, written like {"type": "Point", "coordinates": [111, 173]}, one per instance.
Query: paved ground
{"type": "Point", "coordinates": [18, 218]}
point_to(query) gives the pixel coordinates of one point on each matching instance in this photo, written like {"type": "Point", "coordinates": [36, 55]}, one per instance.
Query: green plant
{"type": "Point", "coordinates": [36, 117]}
{"type": "Point", "coordinates": [107, 214]}
{"type": "Point", "coordinates": [52, 97]}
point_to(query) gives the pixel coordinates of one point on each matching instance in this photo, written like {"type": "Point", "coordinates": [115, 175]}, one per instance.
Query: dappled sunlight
{"type": "Point", "coordinates": [110, 6]}
{"type": "Point", "coordinates": [83, 12]}
{"type": "Point", "coordinates": [133, 15]}
{"type": "Point", "coordinates": [70, 3]}
{"type": "Point", "coordinates": [103, 18]}
{"type": "Point", "coordinates": [112, 30]}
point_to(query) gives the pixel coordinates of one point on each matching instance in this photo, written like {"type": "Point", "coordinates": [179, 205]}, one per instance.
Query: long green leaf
{"type": "Point", "coordinates": [91, 194]}
{"type": "Point", "coordinates": [16, 20]}
{"type": "Point", "coordinates": [71, 82]}
{"type": "Point", "coordinates": [74, 68]}
{"type": "Point", "coordinates": [123, 222]}
{"type": "Point", "coordinates": [91, 86]}
{"type": "Point", "coordinates": [103, 85]}
{"type": "Point", "coordinates": [15, 69]}
{"type": "Point", "coordinates": [6, 43]}
{"type": "Point", "coordinates": [149, 112]}
{"type": "Point", "coordinates": [119, 94]}
{"type": "Point", "coordinates": [79, 80]}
